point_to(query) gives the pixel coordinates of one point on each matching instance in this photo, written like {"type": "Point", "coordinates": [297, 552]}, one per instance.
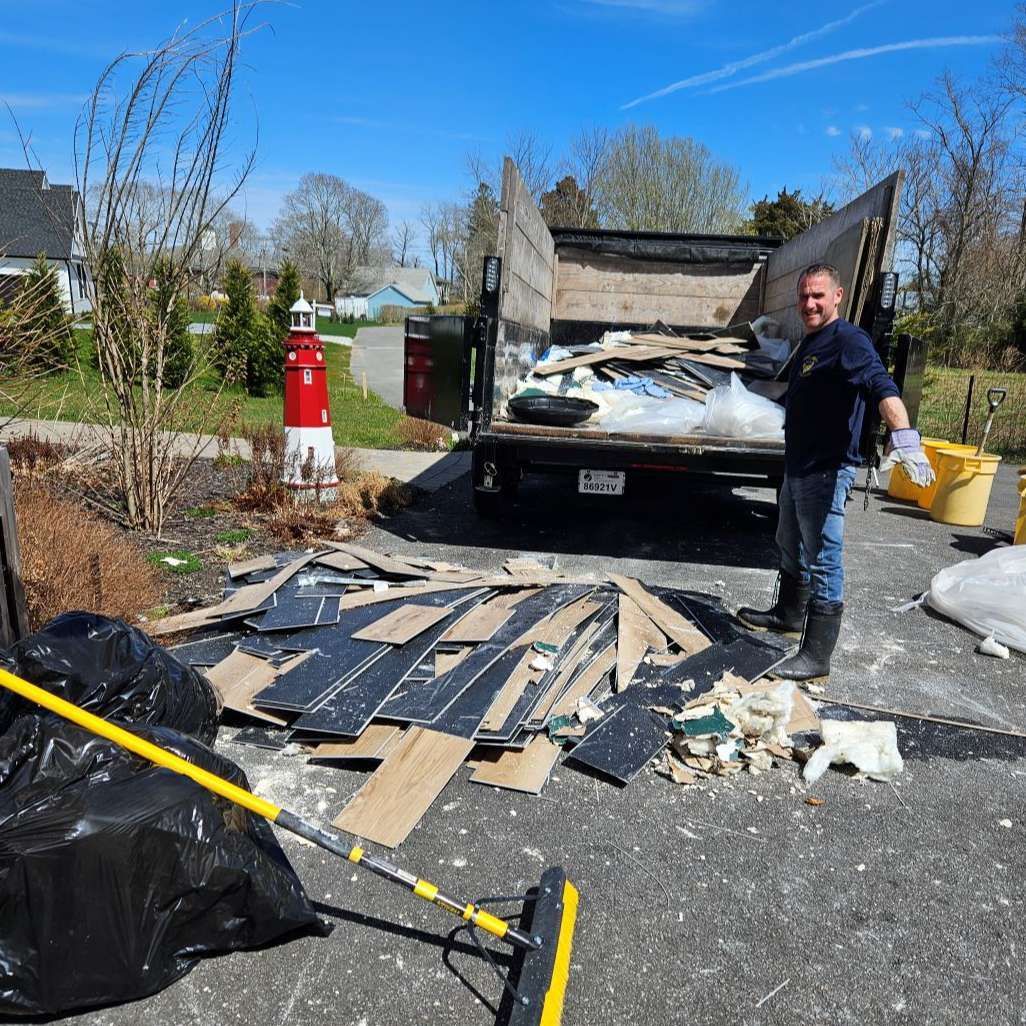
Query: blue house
{"type": "Point", "coordinates": [375, 287]}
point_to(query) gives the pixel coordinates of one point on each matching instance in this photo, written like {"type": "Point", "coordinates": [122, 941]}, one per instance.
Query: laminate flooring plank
{"type": "Point", "coordinates": [707, 613]}
{"type": "Point", "coordinates": [340, 561]}
{"type": "Point", "coordinates": [349, 710]}
{"type": "Point", "coordinates": [293, 613]}
{"type": "Point", "coordinates": [668, 620]}
{"type": "Point", "coordinates": [400, 791]}
{"type": "Point", "coordinates": [623, 743]}
{"type": "Point", "coordinates": [373, 743]}
{"type": "Point", "coordinates": [423, 703]}
{"type": "Point", "coordinates": [402, 625]}
{"type": "Point", "coordinates": [576, 654]}
{"type": "Point", "coordinates": [527, 770]}
{"type": "Point", "coordinates": [636, 634]}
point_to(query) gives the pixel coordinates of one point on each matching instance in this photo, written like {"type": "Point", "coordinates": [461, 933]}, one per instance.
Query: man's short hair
{"type": "Point", "coordinates": [828, 269]}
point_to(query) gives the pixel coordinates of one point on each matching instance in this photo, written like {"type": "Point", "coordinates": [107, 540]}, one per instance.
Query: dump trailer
{"type": "Point", "coordinates": [562, 286]}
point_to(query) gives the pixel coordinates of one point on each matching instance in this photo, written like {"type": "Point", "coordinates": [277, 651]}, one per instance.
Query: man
{"type": "Point", "coordinates": [834, 373]}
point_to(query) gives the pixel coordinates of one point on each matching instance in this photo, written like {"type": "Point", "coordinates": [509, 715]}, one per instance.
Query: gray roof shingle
{"type": "Point", "coordinates": [34, 217]}
{"type": "Point", "coordinates": [414, 282]}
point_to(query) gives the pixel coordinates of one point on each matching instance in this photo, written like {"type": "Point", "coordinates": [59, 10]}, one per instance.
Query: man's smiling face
{"type": "Point", "coordinates": [818, 300]}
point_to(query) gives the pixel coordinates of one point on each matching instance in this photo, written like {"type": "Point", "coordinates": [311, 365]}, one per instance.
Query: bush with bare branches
{"type": "Point", "coordinates": [72, 559]}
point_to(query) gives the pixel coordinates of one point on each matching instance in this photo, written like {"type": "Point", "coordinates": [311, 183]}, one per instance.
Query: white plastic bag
{"type": "Point", "coordinates": [987, 595]}
{"type": "Point", "coordinates": [646, 415]}
{"type": "Point", "coordinates": [732, 411]}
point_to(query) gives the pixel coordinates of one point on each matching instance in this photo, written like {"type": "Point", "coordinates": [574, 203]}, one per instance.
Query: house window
{"type": "Point", "coordinates": [307, 376]}
{"type": "Point", "coordinates": [80, 272]}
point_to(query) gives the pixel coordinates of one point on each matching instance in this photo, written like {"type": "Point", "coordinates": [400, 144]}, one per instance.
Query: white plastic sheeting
{"type": "Point", "coordinates": [644, 415]}
{"type": "Point", "coordinates": [734, 412]}
{"type": "Point", "coordinates": [987, 595]}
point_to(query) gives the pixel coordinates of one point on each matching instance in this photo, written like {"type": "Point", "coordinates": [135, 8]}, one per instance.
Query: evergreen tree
{"type": "Point", "coordinates": [170, 316]}
{"type": "Point", "coordinates": [238, 323]}
{"type": "Point", "coordinates": [567, 205]}
{"type": "Point", "coordinates": [788, 215]}
{"type": "Point", "coordinates": [285, 295]}
{"type": "Point", "coordinates": [265, 361]}
{"type": "Point", "coordinates": [44, 330]}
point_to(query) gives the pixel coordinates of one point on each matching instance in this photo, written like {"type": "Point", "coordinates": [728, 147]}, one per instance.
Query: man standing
{"type": "Point", "coordinates": [834, 373]}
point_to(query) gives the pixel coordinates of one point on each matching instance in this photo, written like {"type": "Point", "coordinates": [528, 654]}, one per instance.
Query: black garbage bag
{"type": "Point", "coordinates": [114, 671]}
{"type": "Point", "coordinates": [116, 876]}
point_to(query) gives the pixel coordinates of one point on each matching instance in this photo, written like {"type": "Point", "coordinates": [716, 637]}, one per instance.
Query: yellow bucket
{"type": "Point", "coordinates": [963, 487]}
{"type": "Point", "coordinates": [1020, 520]}
{"type": "Point", "coordinates": [900, 486]}
{"type": "Point", "coordinates": [931, 446]}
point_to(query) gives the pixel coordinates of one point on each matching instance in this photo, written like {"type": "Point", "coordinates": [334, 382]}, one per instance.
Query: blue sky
{"type": "Point", "coordinates": [392, 96]}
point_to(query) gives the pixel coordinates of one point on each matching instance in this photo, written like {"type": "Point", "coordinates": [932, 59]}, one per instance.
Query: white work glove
{"type": "Point", "coordinates": [906, 448]}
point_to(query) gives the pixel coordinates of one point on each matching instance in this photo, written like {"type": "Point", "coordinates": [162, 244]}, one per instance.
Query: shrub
{"type": "Point", "coordinates": [72, 559]}
{"type": "Point", "coordinates": [422, 434]}
{"type": "Point", "coordinates": [43, 328]}
{"type": "Point", "coordinates": [170, 317]}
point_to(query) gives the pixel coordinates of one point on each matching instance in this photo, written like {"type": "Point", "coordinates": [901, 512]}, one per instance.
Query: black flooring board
{"type": "Point", "coordinates": [425, 702]}
{"type": "Point", "coordinates": [621, 744]}
{"type": "Point", "coordinates": [292, 612]}
{"type": "Point", "coordinates": [337, 656]}
{"type": "Point", "coordinates": [349, 710]}
{"type": "Point", "coordinates": [263, 737]}
{"type": "Point", "coordinates": [209, 649]}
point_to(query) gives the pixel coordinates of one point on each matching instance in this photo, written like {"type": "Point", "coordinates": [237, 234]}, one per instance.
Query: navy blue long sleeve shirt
{"type": "Point", "coordinates": [834, 373]}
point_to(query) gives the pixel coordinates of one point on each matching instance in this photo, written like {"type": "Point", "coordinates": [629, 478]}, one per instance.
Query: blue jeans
{"type": "Point", "coordinates": [810, 532]}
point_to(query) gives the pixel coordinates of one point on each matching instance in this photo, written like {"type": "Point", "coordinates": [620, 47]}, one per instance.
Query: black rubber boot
{"type": "Point", "coordinates": [812, 660]}
{"type": "Point", "coordinates": [787, 614]}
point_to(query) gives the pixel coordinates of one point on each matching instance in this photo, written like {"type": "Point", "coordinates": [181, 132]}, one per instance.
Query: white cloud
{"type": "Point", "coordinates": [758, 58]}
{"type": "Point", "coordinates": [855, 55]}
{"type": "Point", "coordinates": [36, 101]}
{"type": "Point", "coordinates": [832, 130]}
{"type": "Point", "coordinates": [922, 133]}
{"type": "Point", "coordinates": [864, 131]}
{"type": "Point", "coordinates": [893, 132]}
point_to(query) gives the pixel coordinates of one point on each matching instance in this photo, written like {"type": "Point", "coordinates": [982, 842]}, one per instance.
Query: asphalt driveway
{"type": "Point", "coordinates": [884, 904]}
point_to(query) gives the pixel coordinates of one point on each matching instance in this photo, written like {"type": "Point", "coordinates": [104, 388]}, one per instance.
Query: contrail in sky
{"type": "Point", "coordinates": [757, 58]}
{"type": "Point", "coordinates": [857, 55]}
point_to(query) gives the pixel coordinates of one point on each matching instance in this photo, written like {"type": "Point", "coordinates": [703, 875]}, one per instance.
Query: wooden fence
{"type": "Point", "coordinates": [13, 611]}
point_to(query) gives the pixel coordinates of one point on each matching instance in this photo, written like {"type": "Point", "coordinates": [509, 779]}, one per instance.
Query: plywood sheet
{"type": "Point", "coordinates": [402, 624]}
{"type": "Point", "coordinates": [632, 354]}
{"type": "Point", "coordinates": [401, 790]}
{"type": "Point", "coordinates": [527, 770]}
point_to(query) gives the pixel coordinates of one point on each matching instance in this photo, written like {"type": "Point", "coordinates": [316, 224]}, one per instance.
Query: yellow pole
{"type": "Point", "coordinates": [137, 745]}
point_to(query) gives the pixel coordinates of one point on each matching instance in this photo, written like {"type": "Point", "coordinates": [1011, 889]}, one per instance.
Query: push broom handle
{"type": "Point", "coordinates": [467, 911]}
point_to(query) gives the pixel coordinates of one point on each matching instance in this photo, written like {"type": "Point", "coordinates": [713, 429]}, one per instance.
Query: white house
{"type": "Point", "coordinates": [375, 287]}
{"type": "Point", "coordinates": [37, 217]}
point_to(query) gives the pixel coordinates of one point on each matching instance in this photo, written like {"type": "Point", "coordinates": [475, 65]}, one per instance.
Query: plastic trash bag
{"type": "Point", "coordinates": [647, 416]}
{"type": "Point", "coordinates": [116, 876]}
{"type": "Point", "coordinates": [731, 411]}
{"type": "Point", "coordinates": [987, 595]}
{"type": "Point", "coordinates": [114, 671]}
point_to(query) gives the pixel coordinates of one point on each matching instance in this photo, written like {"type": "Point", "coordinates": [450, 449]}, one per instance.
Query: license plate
{"type": "Point", "coordinates": [601, 482]}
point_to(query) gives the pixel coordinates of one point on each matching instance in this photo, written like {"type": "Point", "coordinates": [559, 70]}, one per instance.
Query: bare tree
{"type": "Point", "coordinates": [403, 238]}
{"type": "Point", "coordinates": [148, 151]}
{"type": "Point", "coordinates": [431, 221]}
{"type": "Point", "coordinates": [647, 183]}
{"type": "Point", "coordinates": [311, 229]}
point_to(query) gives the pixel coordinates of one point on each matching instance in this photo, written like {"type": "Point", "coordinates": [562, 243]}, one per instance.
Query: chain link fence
{"type": "Point", "coordinates": [942, 413]}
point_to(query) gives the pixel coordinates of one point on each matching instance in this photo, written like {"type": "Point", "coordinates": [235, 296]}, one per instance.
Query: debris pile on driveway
{"type": "Point", "coordinates": [419, 666]}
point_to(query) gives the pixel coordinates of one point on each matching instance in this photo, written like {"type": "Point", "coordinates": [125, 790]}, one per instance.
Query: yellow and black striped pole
{"type": "Point", "coordinates": [467, 911]}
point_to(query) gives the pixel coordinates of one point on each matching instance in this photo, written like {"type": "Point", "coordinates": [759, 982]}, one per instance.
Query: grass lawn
{"type": "Point", "coordinates": [76, 395]}
{"type": "Point", "coordinates": [943, 408]}
{"type": "Point", "coordinates": [341, 328]}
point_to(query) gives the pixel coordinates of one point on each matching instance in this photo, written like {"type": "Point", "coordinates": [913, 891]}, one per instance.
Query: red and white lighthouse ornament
{"type": "Point", "coordinates": [309, 444]}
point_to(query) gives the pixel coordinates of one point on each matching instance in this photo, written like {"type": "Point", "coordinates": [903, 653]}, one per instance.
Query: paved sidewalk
{"type": "Point", "coordinates": [425, 470]}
